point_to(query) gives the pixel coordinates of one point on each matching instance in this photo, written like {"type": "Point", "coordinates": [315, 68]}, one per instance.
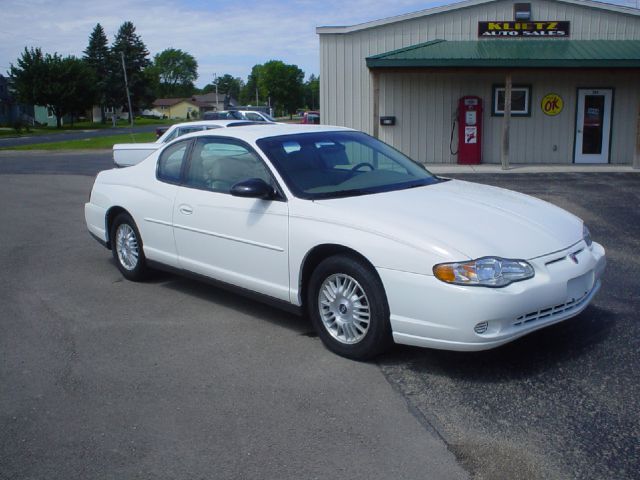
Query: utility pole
{"type": "Point", "coordinates": [215, 78]}
{"type": "Point", "coordinates": [126, 86]}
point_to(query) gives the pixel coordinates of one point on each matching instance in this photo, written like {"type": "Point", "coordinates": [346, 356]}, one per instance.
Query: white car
{"type": "Point", "coordinates": [256, 116]}
{"type": "Point", "coordinates": [249, 115]}
{"type": "Point", "coordinates": [127, 154]}
{"type": "Point", "coordinates": [336, 224]}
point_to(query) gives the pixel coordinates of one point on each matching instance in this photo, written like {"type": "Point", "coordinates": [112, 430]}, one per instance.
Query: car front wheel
{"type": "Point", "coordinates": [126, 246]}
{"type": "Point", "coordinates": [348, 307]}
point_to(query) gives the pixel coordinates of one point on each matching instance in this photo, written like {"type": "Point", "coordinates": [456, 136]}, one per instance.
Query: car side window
{"type": "Point", "coordinates": [170, 162]}
{"type": "Point", "coordinates": [254, 117]}
{"type": "Point", "coordinates": [217, 164]}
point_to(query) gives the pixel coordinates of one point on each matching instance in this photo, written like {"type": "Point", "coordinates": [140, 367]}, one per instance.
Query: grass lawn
{"type": "Point", "coordinates": [90, 143]}
{"type": "Point", "coordinates": [137, 122]}
{"type": "Point", "coordinates": [35, 131]}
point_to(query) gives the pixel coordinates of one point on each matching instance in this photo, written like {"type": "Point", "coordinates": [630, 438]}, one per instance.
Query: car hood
{"type": "Point", "coordinates": [456, 219]}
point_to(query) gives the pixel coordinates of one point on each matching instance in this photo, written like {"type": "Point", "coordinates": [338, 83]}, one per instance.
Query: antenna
{"type": "Point", "coordinates": [126, 86]}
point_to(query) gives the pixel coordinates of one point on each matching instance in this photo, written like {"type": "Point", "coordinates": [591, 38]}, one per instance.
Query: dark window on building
{"type": "Point", "coordinates": [520, 101]}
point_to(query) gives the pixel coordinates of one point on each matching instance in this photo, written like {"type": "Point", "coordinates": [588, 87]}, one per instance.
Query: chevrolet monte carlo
{"type": "Point", "coordinates": [333, 223]}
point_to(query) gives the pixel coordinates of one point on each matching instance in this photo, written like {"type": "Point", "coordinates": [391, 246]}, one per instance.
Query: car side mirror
{"type": "Point", "coordinates": [253, 188]}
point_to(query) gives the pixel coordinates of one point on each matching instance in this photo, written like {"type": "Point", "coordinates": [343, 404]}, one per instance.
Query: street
{"type": "Point", "coordinates": [104, 378]}
{"type": "Point", "coordinates": [72, 135]}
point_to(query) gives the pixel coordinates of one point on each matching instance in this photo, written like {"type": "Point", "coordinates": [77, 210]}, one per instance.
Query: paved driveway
{"type": "Point", "coordinates": [563, 402]}
{"type": "Point", "coordinates": [101, 378]}
{"type": "Point", "coordinates": [174, 379]}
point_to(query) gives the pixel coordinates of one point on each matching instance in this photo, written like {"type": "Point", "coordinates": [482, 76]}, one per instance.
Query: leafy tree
{"type": "Point", "coordinates": [65, 85]}
{"type": "Point", "coordinates": [227, 85]}
{"type": "Point", "coordinates": [139, 74]}
{"type": "Point", "coordinates": [253, 88]}
{"type": "Point", "coordinates": [177, 70]}
{"type": "Point", "coordinates": [27, 77]}
{"type": "Point", "coordinates": [98, 58]}
{"type": "Point", "coordinates": [312, 92]}
{"type": "Point", "coordinates": [281, 83]}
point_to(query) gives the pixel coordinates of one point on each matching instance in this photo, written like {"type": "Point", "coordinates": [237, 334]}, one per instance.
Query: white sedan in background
{"type": "Point", "coordinates": [336, 224]}
{"type": "Point", "coordinates": [127, 154]}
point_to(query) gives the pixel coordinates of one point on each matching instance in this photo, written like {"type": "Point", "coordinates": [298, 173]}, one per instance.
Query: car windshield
{"type": "Point", "coordinates": [341, 164]}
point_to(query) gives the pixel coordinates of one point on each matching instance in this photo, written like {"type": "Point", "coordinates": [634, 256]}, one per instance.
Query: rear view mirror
{"type": "Point", "coordinates": [253, 188]}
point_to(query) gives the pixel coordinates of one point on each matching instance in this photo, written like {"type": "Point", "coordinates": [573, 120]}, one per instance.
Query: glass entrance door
{"type": "Point", "coordinates": [593, 125]}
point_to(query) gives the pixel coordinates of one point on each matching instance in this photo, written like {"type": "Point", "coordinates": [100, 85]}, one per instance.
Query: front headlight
{"type": "Point", "coordinates": [484, 272]}
{"type": "Point", "coordinates": [586, 235]}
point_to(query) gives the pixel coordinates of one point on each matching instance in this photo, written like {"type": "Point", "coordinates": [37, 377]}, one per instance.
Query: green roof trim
{"type": "Point", "coordinates": [503, 53]}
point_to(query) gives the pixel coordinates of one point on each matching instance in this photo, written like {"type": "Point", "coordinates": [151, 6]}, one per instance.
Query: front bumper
{"type": "Point", "coordinates": [426, 312]}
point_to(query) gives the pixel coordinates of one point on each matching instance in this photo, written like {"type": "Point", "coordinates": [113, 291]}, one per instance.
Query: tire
{"type": "Point", "coordinates": [126, 247]}
{"type": "Point", "coordinates": [348, 307]}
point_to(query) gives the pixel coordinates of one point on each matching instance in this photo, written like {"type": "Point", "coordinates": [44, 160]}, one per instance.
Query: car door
{"type": "Point", "coordinates": [241, 241]}
{"type": "Point", "coordinates": [154, 203]}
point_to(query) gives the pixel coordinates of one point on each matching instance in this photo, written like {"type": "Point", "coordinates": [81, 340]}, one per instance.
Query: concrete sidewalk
{"type": "Point", "coordinates": [441, 169]}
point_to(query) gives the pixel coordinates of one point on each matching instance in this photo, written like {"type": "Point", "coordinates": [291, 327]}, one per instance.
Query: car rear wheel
{"type": "Point", "coordinates": [126, 246]}
{"type": "Point", "coordinates": [348, 307]}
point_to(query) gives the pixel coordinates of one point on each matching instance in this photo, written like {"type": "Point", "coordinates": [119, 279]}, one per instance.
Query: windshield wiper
{"type": "Point", "coordinates": [343, 193]}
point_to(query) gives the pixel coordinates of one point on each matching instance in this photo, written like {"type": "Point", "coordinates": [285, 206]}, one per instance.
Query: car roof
{"type": "Point", "coordinates": [252, 133]}
{"type": "Point", "coordinates": [204, 123]}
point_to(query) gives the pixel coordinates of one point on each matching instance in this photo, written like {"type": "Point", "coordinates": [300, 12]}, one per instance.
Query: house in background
{"type": "Point", "coordinates": [10, 110]}
{"type": "Point", "coordinates": [194, 107]}
{"type": "Point", "coordinates": [212, 102]}
{"type": "Point", "coordinates": [45, 116]}
{"type": "Point", "coordinates": [175, 108]}
{"type": "Point", "coordinates": [95, 114]}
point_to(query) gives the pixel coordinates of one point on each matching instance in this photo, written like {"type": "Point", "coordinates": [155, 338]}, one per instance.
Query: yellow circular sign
{"type": "Point", "coordinates": [552, 104]}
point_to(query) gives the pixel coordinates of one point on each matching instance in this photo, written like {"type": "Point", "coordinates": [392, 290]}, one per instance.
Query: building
{"type": "Point", "coordinates": [573, 68]}
{"type": "Point", "coordinates": [211, 102]}
{"type": "Point", "coordinates": [12, 112]}
{"type": "Point", "coordinates": [180, 108]}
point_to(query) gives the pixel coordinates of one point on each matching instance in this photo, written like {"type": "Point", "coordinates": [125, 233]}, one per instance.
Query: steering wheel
{"type": "Point", "coordinates": [363, 164]}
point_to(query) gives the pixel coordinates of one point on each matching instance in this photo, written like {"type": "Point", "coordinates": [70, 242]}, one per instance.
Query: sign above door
{"type": "Point", "coordinates": [501, 29]}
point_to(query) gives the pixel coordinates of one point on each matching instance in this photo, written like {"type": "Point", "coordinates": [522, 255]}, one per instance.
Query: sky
{"type": "Point", "coordinates": [225, 36]}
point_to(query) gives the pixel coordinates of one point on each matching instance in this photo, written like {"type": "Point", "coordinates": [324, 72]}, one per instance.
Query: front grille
{"type": "Point", "coordinates": [556, 260]}
{"type": "Point", "coordinates": [550, 312]}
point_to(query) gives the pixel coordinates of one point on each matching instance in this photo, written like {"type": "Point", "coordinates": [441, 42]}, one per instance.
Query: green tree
{"type": "Point", "coordinates": [282, 84]}
{"type": "Point", "coordinates": [98, 58]}
{"type": "Point", "coordinates": [252, 93]}
{"type": "Point", "coordinates": [177, 70]}
{"type": "Point", "coordinates": [65, 85]}
{"type": "Point", "coordinates": [227, 85]}
{"type": "Point", "coordinates": [27, 77]}
{"type": "Point", "coordinates": [140, 75]}
{"type": "Point", "coordinates": [312, 92]}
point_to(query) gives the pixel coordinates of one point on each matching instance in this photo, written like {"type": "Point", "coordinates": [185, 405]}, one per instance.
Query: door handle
{"type": "Point", "coordinates": [185, 209]}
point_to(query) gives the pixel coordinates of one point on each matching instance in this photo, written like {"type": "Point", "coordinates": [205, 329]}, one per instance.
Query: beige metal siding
{"type": "Point", "coordinates": [425, 104]}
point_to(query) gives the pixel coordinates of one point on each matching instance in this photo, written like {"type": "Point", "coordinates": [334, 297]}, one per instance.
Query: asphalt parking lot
{"type": "Point", "coordinates": [103, 378]}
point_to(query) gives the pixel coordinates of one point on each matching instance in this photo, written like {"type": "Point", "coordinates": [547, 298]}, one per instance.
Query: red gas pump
{"type": "Point", "coordinates": [470, 130]}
